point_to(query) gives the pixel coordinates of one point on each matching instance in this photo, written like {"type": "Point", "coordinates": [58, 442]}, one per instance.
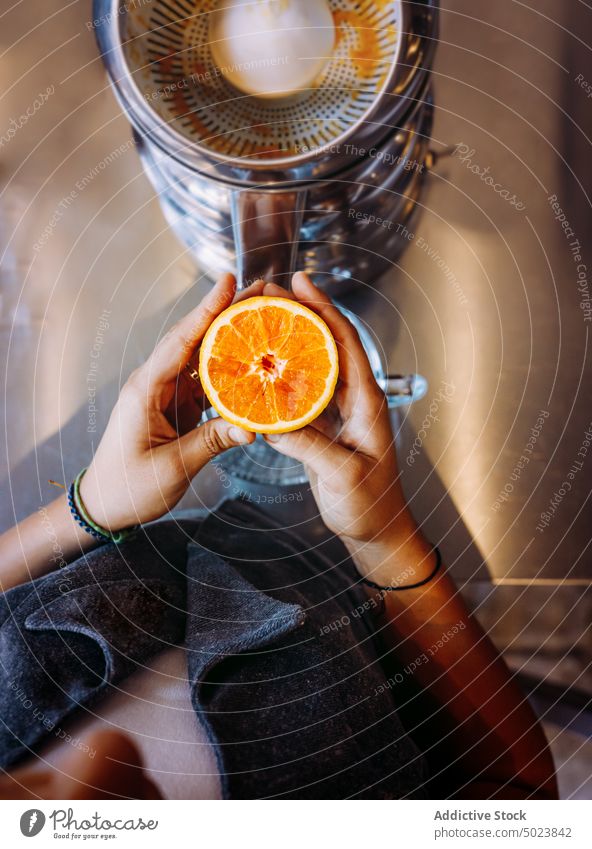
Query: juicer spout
{"type": "Point", "coordinates": [266, 227]}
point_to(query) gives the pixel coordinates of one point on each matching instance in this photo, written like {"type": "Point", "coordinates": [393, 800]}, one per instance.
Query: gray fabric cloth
{"type": "Point", "coordinates": [294, 708]}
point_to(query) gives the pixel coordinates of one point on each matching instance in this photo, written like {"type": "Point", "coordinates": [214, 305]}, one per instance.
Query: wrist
{"type": "Point", "coordinates": [91, 502]}
{"type": "Point", "coordinates": [393, 559]}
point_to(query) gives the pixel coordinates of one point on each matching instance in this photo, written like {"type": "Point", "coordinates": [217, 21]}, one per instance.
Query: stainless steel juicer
{"type": "Point", "coordinates": [313, 171]}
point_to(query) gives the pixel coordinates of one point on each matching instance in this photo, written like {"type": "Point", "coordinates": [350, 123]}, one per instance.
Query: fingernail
{"type": "Point", "coordinates": [239, 436]}
{"type": "Point", "coordinates": [273, 437]}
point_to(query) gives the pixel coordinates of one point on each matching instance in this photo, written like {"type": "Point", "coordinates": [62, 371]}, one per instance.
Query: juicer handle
{"type": "Point", "coordinates": [266, 228]}
{"type": "Point", "coordinates": [401, 389]}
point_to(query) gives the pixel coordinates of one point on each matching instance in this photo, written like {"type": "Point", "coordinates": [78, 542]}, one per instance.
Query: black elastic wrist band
{"type": "Point", "coordinates": [432, 575]}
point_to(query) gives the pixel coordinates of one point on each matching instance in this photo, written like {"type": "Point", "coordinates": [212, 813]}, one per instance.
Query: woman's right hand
{"type": "Point", "coordinates": [151, 448]}
{"type": "Point", "coordinates": [350, 457]}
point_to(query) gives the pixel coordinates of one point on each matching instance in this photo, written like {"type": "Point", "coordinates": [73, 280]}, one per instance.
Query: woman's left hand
{"type": "Point", "coordinates": [151, 448]}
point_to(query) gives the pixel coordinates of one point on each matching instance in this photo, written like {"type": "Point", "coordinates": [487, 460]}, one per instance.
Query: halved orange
{"type": "Point", "coordinates": [269, 365]}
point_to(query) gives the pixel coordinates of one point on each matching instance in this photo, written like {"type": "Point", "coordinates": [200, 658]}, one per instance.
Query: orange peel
{"type": "Point", "coordinates": [269, 365]}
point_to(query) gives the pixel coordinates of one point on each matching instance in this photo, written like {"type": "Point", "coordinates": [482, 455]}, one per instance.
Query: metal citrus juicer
{"type": "Point", "coordinates": [275, 132]}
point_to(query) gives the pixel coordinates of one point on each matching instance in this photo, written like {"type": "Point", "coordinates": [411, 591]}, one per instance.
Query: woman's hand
{"type": "Point", "coordinates": [350, 457]}
{"type": "Point", "coordinates": [151, 448]}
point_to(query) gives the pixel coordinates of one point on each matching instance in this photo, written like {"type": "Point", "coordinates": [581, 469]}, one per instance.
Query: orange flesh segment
{"type": "Point", "coordinates": [271, 367]}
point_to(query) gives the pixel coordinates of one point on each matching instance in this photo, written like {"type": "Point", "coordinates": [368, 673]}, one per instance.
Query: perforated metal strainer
{"type": "Point", "coordinates": [167, 49]}
{"type": "Point", "coordinates": [160, 55]}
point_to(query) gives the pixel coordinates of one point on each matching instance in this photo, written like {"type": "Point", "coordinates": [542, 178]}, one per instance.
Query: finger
{"type": "Point", "coordinates": [329, 421]}
{"type": "Point", "coordinates": [313, 448]}
{"type": "Point", "coordinates": [185, 408]}
{"type": "Point", "coordinates": [190, 374]}
{"type": "Point", "coordinates": [250, 291]}
{"type": "Point", "coordinates": [186, 335]}
{"type": "Point", "coordinates": [354, 368]}
{"type": "Point", "coordinates": [272, 290]}
{"type": "Point", "coordinates": [209, 440]}
{"type": "Point", "coordinates": [358, 396]}
{"type": "Point", "coordinates": [174, 351]}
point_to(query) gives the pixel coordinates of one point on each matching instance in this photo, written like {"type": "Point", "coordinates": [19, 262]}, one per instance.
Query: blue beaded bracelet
{"type": "Point", "coordinates": [82, 518]}
{"type": "Point", "coordinates": [78, 518]}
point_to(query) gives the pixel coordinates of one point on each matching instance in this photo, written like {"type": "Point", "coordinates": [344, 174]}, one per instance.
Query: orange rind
{"type": "Point", "coordinates": [269, 365]}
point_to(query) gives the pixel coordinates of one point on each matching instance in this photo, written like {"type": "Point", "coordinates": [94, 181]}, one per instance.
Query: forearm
{"type": "Point", "coordinates": [465, 707]}
{"type": "Point", "coordinates": [46, 540]}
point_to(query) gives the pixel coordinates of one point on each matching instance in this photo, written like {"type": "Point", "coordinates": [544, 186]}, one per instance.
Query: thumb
{"type": "Point", "coordinates": [202, 444]}
{"type": "Point", "coordinates": [311, 447]}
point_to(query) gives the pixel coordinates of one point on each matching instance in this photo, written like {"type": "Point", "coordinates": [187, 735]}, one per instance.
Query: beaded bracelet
{"type": "Point", "coordinates": [82, 518]}
{"type": "Point", "coordinates": [432, 574]}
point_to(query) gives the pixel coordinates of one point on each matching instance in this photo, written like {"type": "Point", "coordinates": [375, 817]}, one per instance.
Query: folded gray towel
{"type": "Point", "coordinates": [294, 709]}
